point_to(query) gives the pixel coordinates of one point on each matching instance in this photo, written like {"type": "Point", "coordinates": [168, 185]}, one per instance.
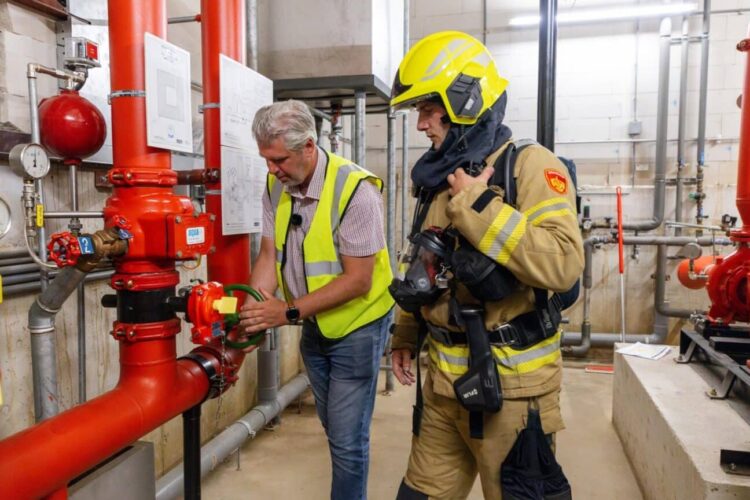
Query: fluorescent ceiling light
{"type": "Point", "coordinates": [610, 14]}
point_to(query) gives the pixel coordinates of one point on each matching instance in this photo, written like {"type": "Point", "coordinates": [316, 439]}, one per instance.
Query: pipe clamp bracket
{"type": "Point", "coordinates": [125, 93]}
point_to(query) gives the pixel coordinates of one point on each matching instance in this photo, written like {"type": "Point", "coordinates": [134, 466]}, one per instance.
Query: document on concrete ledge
{"type": "Point", "coordinates": [646, 351]}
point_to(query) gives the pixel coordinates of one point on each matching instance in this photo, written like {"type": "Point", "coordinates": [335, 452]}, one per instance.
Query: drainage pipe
{"type": "Point", "coordinates": [665, 38]}
{"type": "Point", "coordinates": [42, 329]}
{"type": "Point", "coordinates": [222, 32]}
{"type": "Point", "coordinates": [215, 451]}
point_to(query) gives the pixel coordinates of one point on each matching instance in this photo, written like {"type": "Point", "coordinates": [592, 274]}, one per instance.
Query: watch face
{"type": "Point", "coordinates": [292, 315]}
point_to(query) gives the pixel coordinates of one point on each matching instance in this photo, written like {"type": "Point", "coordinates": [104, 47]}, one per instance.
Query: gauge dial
{"type": "Point", "coordinates": [30, 159]}
{"type": "Point", "coordinates": [4, 218]}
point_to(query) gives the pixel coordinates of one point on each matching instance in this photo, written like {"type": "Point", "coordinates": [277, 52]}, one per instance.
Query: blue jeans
{"type": "Point", "coordinates": [344, 375]}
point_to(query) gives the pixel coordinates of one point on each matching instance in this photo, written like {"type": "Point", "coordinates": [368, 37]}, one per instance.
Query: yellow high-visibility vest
{"type": "Point", "coordinates": [320, 251]}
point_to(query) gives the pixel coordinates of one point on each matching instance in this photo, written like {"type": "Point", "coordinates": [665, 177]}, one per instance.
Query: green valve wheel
{"type": "Point", "coordinates": [233, 319]}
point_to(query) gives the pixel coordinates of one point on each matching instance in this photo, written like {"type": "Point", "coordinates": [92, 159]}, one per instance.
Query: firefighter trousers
{"type": "Point", "coordinates": [445, 460]}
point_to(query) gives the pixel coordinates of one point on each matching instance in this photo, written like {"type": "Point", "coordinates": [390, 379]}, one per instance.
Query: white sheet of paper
{"type": "Point", "coordinates": [646, 351]}
{"type": "Point", "coordinates": [243, 92]}
{"type": "Point", "coordinates": [168, 113]}
{"type": "Point", "coordinates": [243, 179]}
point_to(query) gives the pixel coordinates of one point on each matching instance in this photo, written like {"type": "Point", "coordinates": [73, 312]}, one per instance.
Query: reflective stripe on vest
{"type": "Point", "coordinates": [455, 360]}
{"type": "Point", "coordinates": [322, 262]}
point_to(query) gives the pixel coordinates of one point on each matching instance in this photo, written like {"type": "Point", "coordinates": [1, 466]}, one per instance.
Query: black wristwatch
{"type": "Point", "coordinates": [292, 315]}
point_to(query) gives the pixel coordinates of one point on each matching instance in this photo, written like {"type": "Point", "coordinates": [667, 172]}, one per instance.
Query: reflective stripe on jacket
{"type": "Point", "coordinates": [321, 257]}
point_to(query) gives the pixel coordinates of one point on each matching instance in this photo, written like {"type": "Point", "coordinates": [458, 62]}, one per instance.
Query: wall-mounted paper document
{"type": "Point", "coordinates": [243, 92]}
{"type": "Point", "coordinates": [169, 120]}
{"type": "Point", "coordinates": [243, 180]}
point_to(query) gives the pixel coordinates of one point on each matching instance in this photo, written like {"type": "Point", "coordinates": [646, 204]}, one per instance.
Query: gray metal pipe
{"type": "Point", "coordinates": [682, 121]}
{"type": "Point", "coordinates": [74, 214]}
{"type": "Point", "coordinates": [31, 71]}
{"type": "Point", "coordinates": [391, 214]}
{"type": "Point", "coordinates": [268, 368]}
{"type": "Point", "coordinates": [251, 19]}
{"type": "Point", "coordinates": [662, 117]}
{"type": "Point", "coordinates": [545, 116]}
{"type": "Point", "coordinates": [42, 329]}
{"type": "Point", "coordinates": [702, 104]}
{"type": "Point", "coordinates": [75, 227]}
{"type": "Point", "coordinates": [215, 451]}
{"type": "Point", "coordinates": [578, 344]}
{"type": "Point", "coordinates": [405, 148]}
{"type": "Point", "coordinates": [12, 253]}
{"type": "Point", "coordinates": [15, 269]}
{"type": "Point", "coordinates": [360, 97]}
{"type": "Point", "coordinates": [16, 261]}
{"type": "Point", "coordinates": [183, 19]}
{"type": "Point", "coordinates": [35, 286]}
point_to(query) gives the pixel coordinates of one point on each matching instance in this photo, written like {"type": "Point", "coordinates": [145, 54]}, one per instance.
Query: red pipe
{"type": "Point", "coordinates": [222, 32]}
{"type": "Point", "coordinates": [743, 169]}
{"type": "Point", "coordinates": [153, 388]}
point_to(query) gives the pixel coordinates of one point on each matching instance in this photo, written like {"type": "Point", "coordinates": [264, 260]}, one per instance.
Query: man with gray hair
{"type": "Point", "coordinates": [323, 246]}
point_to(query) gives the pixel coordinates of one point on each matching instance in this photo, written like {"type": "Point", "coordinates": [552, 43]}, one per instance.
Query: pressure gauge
{"type": "Point", "coordinates": [4, 218]}
{"type": "Point", "coordinates": [29, 159]}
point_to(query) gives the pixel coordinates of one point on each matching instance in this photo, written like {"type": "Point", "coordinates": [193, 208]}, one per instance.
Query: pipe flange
{"type": "Point", "coordinates": [137, 332]}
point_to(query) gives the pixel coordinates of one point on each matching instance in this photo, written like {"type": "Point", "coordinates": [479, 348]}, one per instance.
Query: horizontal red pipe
{"type": "Point", "coordinates": [222, 32]}
{"type": "Point", "coordinates": [154, 387]}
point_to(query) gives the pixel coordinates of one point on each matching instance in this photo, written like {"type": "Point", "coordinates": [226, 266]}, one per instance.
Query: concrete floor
{"type": "Point", "coordinates": [292, 462]}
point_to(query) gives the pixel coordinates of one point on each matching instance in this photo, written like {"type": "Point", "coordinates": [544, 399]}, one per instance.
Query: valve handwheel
{"type": "Point", "coordinates": [64, 249]}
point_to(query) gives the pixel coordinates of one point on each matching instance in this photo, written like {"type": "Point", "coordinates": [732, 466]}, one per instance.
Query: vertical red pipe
{"type": "Point", "coordinates": [222, 32]}
{"type": "Point", "coordinates": [743, 168]}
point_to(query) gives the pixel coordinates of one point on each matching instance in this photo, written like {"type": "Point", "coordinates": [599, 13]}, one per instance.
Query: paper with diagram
{"type": "Point", "coordinates": [243, 180]}
{"type": "Point", "coordinates": [242, 93]}
{"type": "Point", "coordinates": [168, 112]}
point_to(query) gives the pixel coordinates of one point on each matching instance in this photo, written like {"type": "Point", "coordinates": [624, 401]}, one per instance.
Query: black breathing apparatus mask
{"type": "Point", "coordinates": [422, 269]}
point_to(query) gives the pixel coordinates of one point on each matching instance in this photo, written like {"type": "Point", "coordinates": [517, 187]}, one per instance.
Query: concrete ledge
{"type": "Point", "coordinates": [672, 432]}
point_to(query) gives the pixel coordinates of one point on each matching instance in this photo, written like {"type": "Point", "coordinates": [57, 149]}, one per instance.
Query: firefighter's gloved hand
{"type": "Point", "coordinates": [460, 179]}
{"type": "Point", "coordinates": [401, 364]}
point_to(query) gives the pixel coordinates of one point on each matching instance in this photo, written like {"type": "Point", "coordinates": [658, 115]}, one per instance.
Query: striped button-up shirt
{"type": "Point", "coordinates": [360, 232]}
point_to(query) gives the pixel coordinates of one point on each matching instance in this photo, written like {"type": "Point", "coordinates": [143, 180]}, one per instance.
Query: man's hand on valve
{"type": "Point", "coordinates": [459, 179]}
{"type": "Point", "coordinates": [259, 316]}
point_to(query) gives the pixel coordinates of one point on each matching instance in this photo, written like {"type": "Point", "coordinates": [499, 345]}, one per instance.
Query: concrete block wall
{"type": "Point", "coordinates": [28, 37]}
{"type": "Point", "coordinates": [607, 76]}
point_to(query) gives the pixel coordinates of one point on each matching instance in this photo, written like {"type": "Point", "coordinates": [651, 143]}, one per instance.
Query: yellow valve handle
{"type": "Point", "coordinates": [225, 305]}
{"type": "Point", "coordinates": [40, 215]}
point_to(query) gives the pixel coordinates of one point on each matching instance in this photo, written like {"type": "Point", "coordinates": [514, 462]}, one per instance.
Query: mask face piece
{"type": "Point", "coordinates": [421, 268]}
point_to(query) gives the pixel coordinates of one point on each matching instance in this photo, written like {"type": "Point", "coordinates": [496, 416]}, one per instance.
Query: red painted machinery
{"type": "Point", "coordinates": [147, 228]}
{"type": "Point", "coordinates": [727, 279]}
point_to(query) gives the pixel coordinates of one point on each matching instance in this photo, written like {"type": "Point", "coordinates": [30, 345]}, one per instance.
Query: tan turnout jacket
{"type": "Point", "coordinates": [538, 241]}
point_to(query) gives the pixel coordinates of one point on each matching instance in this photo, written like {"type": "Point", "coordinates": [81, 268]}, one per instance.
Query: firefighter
{"type": "Point", "coordinates": [533, 245]}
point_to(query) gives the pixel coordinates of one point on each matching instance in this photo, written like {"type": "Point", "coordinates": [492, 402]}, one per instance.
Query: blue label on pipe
{"type": "Point", "coordinates": [87, 246]}
{"type": "Point", "coordinates": [124, 234]}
